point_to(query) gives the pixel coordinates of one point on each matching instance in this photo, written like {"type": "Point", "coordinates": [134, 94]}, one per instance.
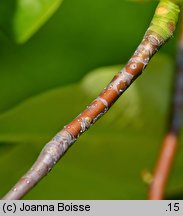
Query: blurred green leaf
{"type": "Point", "coordinates": [108, 161]}
{"type": "Point", "coordinates": [55, 100]}
{"type": "Point", "coordinates": [22, 18]}
{"type": "Point", "coordinates": [30, 15]}
{"type": "Point", "coordinates": [81, 35]}
{"type": "Point", "coordinates": [144, 1]}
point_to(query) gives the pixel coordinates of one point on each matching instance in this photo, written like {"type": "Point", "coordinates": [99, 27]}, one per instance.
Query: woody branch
{"type": "Point", "coordinates": [160, 30]}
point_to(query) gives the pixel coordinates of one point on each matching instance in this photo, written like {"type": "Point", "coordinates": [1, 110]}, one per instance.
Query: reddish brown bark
{"type": "Point", "coordinates": [163, 167]}
{"type": "Point", "coordinates": [170, 143]}
{"type": "Point", "coordinates": [56, 148]}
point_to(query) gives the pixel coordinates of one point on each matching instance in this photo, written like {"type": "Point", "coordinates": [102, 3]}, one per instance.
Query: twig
{"type": "Point", "coordinates": [168, 151]}
{"type": "Point", "coordinates": [160, 30]}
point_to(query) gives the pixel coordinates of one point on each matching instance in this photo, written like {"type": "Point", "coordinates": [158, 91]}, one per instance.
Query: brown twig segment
{"type": "Point", "coordinates": [55, 149]}
{"type": "Point", "coordinates": [168, 151]}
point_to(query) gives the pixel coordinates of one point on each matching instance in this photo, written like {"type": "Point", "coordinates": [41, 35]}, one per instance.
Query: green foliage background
{"type": "Point", "coordinates": [48, 77]}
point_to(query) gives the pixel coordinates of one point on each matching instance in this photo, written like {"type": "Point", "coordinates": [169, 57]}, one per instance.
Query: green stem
{"type": "Point", "coordinates": [164, 21]}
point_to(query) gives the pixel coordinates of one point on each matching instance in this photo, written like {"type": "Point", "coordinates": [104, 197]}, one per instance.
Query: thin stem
{"type": "Point", "coordinates": [169, 147]}
{"type": "Point", "coordinates": [160, 30]}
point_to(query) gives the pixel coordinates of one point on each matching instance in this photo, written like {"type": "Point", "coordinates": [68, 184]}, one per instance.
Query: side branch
{"type": "Point", "coordinates": [168, 151]}
{"type": "Point", "coordinates": [160, 30]}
